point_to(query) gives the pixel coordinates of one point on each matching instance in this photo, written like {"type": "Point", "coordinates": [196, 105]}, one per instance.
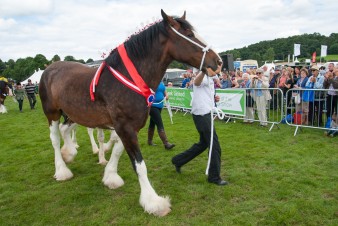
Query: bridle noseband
{"type": "Point", "coordinates": [205, 49]}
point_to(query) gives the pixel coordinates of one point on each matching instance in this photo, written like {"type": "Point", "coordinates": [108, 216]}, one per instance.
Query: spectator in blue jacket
{"type": "Point", "coordinates": [156, 119]}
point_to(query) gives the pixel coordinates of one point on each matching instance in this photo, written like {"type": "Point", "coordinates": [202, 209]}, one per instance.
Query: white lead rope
{"type": "Point", "coordinates": [220, 115]}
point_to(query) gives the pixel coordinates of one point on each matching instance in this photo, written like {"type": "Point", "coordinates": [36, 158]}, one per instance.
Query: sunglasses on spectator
{"type": "Point", "coordinates": [258, 73]}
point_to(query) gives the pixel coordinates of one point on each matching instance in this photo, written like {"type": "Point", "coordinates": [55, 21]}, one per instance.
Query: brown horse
{"type": "Point", "coordinates": [4, 91]}
{"type": "Point", "coordinates": [64, 90]}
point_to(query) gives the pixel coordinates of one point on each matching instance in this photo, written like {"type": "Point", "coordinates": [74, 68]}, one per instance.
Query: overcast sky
{"type": "Point", "coordinates": [86, 28]}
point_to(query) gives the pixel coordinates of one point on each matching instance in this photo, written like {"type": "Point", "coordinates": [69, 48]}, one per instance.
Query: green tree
{"type": "Point", "coordinates": [56, 58]}
{"type": "Point", "coordinates": [89, 60]}
{"type": "Point", "coordinates": [333, 49]}
{"type": "Point", "coordinates": [40, 61]}
{"type": "Point", "coordinates": [69, 58]}
{"type": "Point", "coordinates": [269, 54]}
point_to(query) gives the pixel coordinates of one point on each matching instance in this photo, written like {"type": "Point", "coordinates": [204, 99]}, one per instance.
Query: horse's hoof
{"type": "Point", "coordinates": [163, 212]}
{"type": "Point", "coordinates": [113, 182]}
{"type": "Point", "coordinates": [64, 174]}
{"type": "Point", "coordinates": [103, 163]}
{"type": "Point", "coordinates": [68, 158]}
{"type": "Point", "coordinates": [158, 206]}
{"type": "Point", "coordinates": [95, 151]}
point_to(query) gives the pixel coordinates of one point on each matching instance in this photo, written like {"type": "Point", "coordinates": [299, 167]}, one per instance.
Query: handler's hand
{"type": "Point", "coordinates": [212, 73]}
{"type": "Point", "coordinates": [217, 98]}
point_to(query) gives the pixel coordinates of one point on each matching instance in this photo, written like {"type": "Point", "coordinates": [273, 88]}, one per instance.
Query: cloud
{"type": "Point", "coordinates": [10, 8]}
{"type": "Point", "coordinates": [85, 28]}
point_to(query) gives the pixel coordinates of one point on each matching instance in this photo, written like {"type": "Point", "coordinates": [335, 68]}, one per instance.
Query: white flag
{"type": "Point", "coordinates": [296, 50]}
{"type": "Point", "coordinates": [323, 51]}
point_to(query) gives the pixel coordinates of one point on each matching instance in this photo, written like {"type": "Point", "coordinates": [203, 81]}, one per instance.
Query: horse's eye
{"type": "Point", "coordinates": [191, 35]}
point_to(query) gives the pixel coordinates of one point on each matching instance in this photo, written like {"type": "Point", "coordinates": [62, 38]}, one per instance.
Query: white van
{"type": "Point", "coordinates": [245, 64]}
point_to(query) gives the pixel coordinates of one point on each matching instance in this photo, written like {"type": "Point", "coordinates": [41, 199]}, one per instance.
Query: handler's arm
{"type": "Point", "coordinates": [199, 78]}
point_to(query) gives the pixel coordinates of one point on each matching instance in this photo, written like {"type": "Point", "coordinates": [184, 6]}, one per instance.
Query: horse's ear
{"type": "Point", "coordinates": [183, 17]}
{"type": "Point", "coordinates": [168, 19]}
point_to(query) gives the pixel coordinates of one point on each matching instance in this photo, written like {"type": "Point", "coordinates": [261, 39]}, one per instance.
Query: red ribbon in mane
{"type": "Point", "coordinates": [138, 85]}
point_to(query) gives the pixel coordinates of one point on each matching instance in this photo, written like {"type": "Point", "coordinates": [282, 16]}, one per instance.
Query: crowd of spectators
{"type": "Point", "coordinates": [310, 103]}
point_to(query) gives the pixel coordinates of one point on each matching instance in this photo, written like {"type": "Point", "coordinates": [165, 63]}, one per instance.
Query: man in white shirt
{"type": "Point", "coordinates": [202, 103]}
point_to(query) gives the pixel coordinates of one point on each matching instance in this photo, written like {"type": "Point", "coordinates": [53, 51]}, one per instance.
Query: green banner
{"type": "Point", "coordinates": [232, 101]}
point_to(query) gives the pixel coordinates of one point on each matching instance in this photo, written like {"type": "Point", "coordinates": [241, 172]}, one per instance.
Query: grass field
{"type": "Point", "coordinates": [275, 178]}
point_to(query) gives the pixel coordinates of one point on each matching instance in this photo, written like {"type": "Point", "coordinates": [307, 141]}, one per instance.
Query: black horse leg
{"type": "Point", "coordinates": [149, 200]}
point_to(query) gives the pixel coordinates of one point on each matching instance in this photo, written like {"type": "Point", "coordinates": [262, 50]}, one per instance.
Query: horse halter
{"type": "Point", "coordinates": [204, 49]}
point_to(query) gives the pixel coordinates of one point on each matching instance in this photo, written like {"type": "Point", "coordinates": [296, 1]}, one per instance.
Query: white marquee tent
{"type": "Point", "coordinates": [34, 77]}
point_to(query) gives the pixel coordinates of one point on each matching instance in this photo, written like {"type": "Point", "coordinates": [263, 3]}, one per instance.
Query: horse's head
{"type": "Point", "coordinates": [186, 46]}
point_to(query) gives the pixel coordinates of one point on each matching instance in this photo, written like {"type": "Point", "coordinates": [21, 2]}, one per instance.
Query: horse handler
{"type": "Point", "coordinates": [202, 104]}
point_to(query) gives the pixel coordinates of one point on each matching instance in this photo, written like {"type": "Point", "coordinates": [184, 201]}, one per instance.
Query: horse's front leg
{"type": "Point", "coordinates": [149, 200]}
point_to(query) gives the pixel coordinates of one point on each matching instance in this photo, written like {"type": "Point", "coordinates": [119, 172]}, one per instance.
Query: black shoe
{"type": "Point", "coordinates": [219, 182]}
{"type": "Point", "coordinates": [178, 168]}
{"type": "Point", "coordinates": [151, 143]}
{"type": "Point", "coordinates": [169, 146]}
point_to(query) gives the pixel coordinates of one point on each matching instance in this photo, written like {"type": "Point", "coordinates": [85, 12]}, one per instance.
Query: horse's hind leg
{"type": "Point", "coordinates": [100, 138]}
{"type": "Point", "coordinates": [68, 150]}
{"type": "Point", "coordinates": [61, 170]}
{"type": "Point", "coordinates": [92, 140]}
{"type": "Point", "coordinates": [111, 179]}
{"type": "Point", "coordinates": [74, 138]}
{"type": "Point", "coordinates": [113, 139]}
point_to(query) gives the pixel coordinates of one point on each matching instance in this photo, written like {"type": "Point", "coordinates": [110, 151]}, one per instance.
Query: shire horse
{"type": "Point", "coordinates": [4, 91]}
{"type": "Point", "coordinates": [65, 89]}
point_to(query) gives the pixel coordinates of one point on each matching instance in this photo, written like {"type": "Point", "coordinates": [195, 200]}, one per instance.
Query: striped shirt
{"type": "Point", "coordinates": [30, 89]}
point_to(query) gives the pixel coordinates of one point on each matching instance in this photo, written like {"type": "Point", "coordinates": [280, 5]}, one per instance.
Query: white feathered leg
{"type": "Point", "coordinates": [3, 109]}
{"type": "Point", "coordinates": [92, 140]}
{"type": "Point", "coordinates": [113, 139]}
{"type": "Point", "coordinates": [149, 200]}
{"type": "Point", "coordinates": [100, 138]}
{"type": "Point", "coordinates": [74, 138]}
{"type": "Point", "coordinates": [68, 150]}
{"type": "Point", "coordinates": [111, 179]}
{"type": "Point", "coordinates": [61, 170]}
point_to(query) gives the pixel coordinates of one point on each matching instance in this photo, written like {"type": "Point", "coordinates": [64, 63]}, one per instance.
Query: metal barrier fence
{"type": "Point", "coordinates": [312, 108]}
{"type": "Point", "coordinates": [266, 110]}
{"type": "Point", "coordinates": [270, 111]}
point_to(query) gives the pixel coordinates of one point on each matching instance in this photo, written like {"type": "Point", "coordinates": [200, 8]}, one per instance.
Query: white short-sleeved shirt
{"type": "Point", "coordinates": [203, 97]}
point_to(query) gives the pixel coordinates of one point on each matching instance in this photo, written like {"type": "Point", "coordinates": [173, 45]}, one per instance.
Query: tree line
{"type": "Point", "coordinates": [22, 68]}
{"type": "Point", "coordinates": [280, 48]}
{"type": "Point", "coordinates": [277, 49]}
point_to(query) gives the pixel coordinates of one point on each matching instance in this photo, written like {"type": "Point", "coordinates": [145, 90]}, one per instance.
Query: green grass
{"type": "Point", "coordinates": [275, 178]}
{"type": "Point", "coordinates": [331, 57]}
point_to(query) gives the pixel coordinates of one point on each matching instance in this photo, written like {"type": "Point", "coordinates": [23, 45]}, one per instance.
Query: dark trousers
{"type": "Point", "coordinates": [331, 105]}
{"type": "Point", "coordinates": [155, 118]}
{"type": "Point", "coordinates": [316, 113]}
{"type": "Point", "coordinates": [20, 104]}
{"type": "Point", "coordinates": [32, 100]}
{"type": "Point", "coordinates": [203, 126]}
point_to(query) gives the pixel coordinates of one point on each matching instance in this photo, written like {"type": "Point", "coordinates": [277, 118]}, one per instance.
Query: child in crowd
{"type": "Point", "coordinates": [333, 127]}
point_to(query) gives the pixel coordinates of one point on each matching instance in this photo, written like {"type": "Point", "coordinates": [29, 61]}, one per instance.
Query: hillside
{"type": "Point", "coordinates": [279, 49]}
